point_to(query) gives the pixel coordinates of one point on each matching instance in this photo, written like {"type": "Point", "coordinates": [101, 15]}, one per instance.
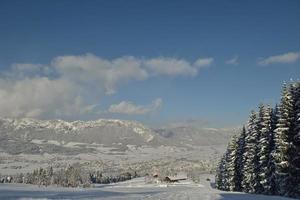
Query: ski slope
{"type": "Point", "coordinates": [133, 189]}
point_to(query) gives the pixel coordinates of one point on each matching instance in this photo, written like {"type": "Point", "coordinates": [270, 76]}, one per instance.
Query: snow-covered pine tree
{"type": "Point", "coordinates": [294, 152]}
{"type": "Point", "coordinates": [239, 159]}
{"type": "Point", "coordinates": [250, 157]}
{"type": "Point", "coordinates": [255, 182]}
{"type": "Point", "coordinates": [220, 181]}
{"type": "Point", "coordinates": [264, 147]}
{"type": "Point", "coordinates": [222, 174]}
{"type": "Point", "coordinates": [283, 141]}
{"type": "Point", "coordinates": [231, 164]}
{"type": "Point", "coordinates": [218, 178]}
{"type": "Point", "coordinates": [270, 149]}
{"type": "Point", "coordinates": [226, 172]}
{"type": "Point", "coordinates": [271, 165]}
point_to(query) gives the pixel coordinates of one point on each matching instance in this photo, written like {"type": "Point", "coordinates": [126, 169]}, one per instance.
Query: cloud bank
{"type": "Point", "coordinates": [74, 85]}
{"type": "Point", "coordinates": [286, 58]}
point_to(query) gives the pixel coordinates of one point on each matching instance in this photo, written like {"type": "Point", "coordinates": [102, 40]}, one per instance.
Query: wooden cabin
{"type": "Point", "coordinates": [175, 179]}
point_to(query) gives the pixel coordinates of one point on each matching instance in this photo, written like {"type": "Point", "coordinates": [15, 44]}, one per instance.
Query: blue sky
{"type": "Point", "coordinates": [128, 52]}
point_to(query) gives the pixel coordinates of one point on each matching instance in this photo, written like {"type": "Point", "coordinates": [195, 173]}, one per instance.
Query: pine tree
{"type": "Point", "coordinates": [294, 151]}
{"type": "Point", "coordinates": [231, 164]}
{"type": "Point", "coordinates": [239, 160]}
{"type": "Point", "coordinates": [250, 157]}
{"type": "Point", "coordinates": [257, 187]}
{"type": "Point", "coordinates": [265, 158]}
{"type": "Point", "coordinates": [282, 138]}
{"type": "Point", "coordinates": [271, 165]}
{"type": "Point", "coordinates": [226, 172]}
{"type": "Point", "coordinates": [265, 128]}
{"type": "Point", "coordinates": [220, 174]}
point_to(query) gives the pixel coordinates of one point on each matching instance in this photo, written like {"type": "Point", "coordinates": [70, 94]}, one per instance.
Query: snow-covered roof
{"type": "Point", "coordinates": [180, 176]}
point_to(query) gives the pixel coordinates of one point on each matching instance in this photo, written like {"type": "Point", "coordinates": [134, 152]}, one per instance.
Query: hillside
{"type": "Point", "coordinates": [56, 136]}
{"type": "Point", "coordinates": [26, 144]}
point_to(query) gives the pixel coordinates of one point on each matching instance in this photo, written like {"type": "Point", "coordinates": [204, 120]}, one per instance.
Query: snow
{"type": "Point", "coordinates": [133, 189]}
{"type": "Point", "coordinates": [69, 127]}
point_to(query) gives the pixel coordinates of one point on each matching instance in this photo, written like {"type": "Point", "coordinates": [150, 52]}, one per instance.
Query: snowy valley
{"type": "Point", "coordinates": [112, 146]}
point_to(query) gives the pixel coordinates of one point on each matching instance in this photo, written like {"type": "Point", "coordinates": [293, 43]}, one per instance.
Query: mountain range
{"type": "Point", "coordinates": [25, 135]}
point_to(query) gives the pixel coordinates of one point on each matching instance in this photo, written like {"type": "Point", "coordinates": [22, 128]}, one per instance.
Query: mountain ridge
{"type": "Point", "coordinates": [53, 135]}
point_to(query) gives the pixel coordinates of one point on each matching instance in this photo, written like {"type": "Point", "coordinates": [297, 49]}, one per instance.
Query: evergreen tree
{"type": "Point", "coordinates": [231, 164]}
{"type": "Point", "coordinates": [282, 138]}
{"type": "Point", "coordinates": [225, 173]}
{"type": "Point", "coordinates": [250, 174]}
{"type": "Point", "coordinates": [294, 151]}
{"type": "Point", "coordinates": [265, 126]}
{"type": "Point", "coordinates": [239, 159]}
{"type": "Point", "coordinates": [271, 165]}
{"type": "Point", "coordinates": [218, 177]}
{"type": "Point", "coordinates": [265, 158]}
{"type": "Point", "coordinates": [221, 174]}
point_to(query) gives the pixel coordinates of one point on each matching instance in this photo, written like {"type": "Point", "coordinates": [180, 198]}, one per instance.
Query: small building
{"type": "Point", "coordinates": [175, 179]}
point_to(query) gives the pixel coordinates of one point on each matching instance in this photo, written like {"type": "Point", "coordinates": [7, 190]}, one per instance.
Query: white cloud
{"type": "Point", "coordinates": [27, 70]}
{"type": "Point", "coordinates": [204, 62]}
{"type": "Point", "coordinates": [35, 97]}
{"type": "Point", "coordinates": [233, 61]}
{"type": "Point", "coordinates": [129, 108]}
{"type": "Point", "coordinates": [107, 74]}
{"type": "Point", "coordinates": [176, 67]}
{"type": "Point", "coordinates": [74, 85]}
{"type": "Point", "coordinates": [170, 67]}
{"type": "Point", "coordinates": [290, 57]}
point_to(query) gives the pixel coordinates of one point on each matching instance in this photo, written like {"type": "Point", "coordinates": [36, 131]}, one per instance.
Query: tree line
{"type": "Point", "coordinates": [264, 158]}
{"type": "Point", "coordinates": [72, 176]}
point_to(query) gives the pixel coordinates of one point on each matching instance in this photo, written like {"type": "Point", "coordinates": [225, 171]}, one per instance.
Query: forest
{"type": "Point", "coordinates": [265, 157]}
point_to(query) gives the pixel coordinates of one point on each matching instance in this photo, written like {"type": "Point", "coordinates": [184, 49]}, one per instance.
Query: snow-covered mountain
{"type": "Point", "coordinates": [64, 127]}
{"type": "Point", "coordinates": [57, 136]}
{"type": "Point", "coordinates": [30, 134]}
{"type": "Point", "coordinates": [61, 126]}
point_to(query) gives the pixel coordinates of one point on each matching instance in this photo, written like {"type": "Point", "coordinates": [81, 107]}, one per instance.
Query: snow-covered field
{"type": "Point", "coordinates": [133, 189]}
